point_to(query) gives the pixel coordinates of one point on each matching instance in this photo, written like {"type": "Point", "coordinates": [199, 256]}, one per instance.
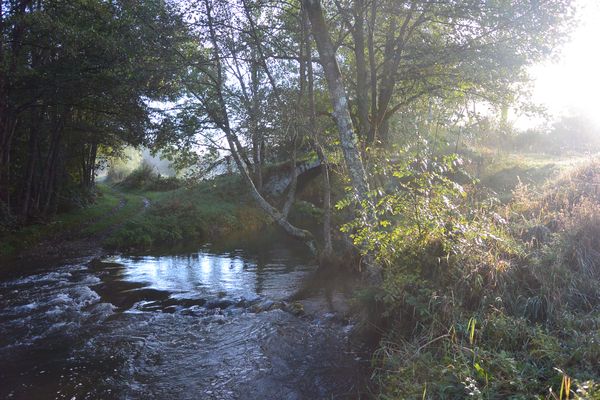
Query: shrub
{"type": "Point", "coordinates": [471, 305]}
{"type": "Point", "coordinates": [145, 178]}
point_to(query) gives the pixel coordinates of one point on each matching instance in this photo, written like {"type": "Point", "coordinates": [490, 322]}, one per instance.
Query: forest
{"type": "Point", "coordinates": [403, 237]}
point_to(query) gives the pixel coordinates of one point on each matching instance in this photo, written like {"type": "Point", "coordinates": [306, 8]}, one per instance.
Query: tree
{"type": "Point", "coordinates": [428, 47]}
{"type": "Point", "coordinates": [78, 78]}
{"type": "Point", "coordinates": [397, 52]}
{"type": "Point", "coordinates": [228, 88]}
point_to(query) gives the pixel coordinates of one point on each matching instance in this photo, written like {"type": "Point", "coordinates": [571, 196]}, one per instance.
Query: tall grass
{"type": "Point", "coordinates": [512, 312]}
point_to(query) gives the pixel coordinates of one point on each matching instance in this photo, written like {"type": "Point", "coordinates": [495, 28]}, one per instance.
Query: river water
{"type": "Point", "coordinates": [206, 324]}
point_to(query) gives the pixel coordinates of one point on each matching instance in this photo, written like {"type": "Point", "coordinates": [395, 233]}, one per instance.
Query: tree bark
{"type": "Point", "coordinates": [31, 165]}
{"type": "Point", "coordinates": [256, 136]}
{"type": "Point", "coordinates": [362, 93]}
{"type": "Point", "coordinates": [312, 122]}
{"type": "Point", "coordinates": [339, 99]}
{"type": "Point", "coordinates": [373, 69]}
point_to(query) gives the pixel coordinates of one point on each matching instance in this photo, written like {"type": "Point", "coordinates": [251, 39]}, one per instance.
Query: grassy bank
{"type": "Point", "coordinates": [501, 301]}
{"type": "Point", "coordinates": [503, 172]}
{"type": "Point", "coordinates": [205, 211]}
{"type": "Point", "coordinates": [108, 202]}
{"type": "Point", "coordinates": [142, 215]}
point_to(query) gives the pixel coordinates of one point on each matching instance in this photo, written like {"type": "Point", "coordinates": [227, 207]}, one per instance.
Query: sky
{"type": "Point", "coordinates": [571, 84]}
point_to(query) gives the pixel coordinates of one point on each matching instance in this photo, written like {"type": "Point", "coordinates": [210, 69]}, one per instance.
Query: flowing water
{"type": "Point", "coordinates": [200, 325]}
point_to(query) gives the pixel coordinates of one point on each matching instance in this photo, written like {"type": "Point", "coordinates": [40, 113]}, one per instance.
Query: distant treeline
{"type": "Point", "coordinates": [573, 133]}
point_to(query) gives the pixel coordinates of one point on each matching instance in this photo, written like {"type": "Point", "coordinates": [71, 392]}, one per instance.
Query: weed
{"type": "Point", "coordinates": [492, 308]}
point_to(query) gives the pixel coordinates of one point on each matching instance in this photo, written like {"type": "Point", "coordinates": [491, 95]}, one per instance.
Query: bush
{"type": "Point", "coordinates": [475, 303]}
{"type": "Point", "coordinates": [146, 179]}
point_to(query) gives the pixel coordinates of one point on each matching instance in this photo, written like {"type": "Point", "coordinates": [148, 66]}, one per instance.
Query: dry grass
{"type": "Point", "coordinates": [515, 314]}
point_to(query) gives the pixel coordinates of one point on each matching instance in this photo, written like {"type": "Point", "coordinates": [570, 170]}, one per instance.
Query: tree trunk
{"type": "Point", "coordinates": [348, 139]}
{"type": "Point", "coordinates": [291, 195]}
{"type": "Point", "coordinates": [257, 158]}
{"type": "Point", "coordinates": [339, 99]}
{"type": "Point", "coordinates": [373, 69]}
{"type": "Point", "coordinates": [31, 161]}
{"type": "Point", "coordinates": [12, 34]}
{"type": "Point", "coordinates": [6, 133]}
{"type": "Point", "coordinates": [362, 93]}
{"type": "Point", "coordinates": [312, 122]}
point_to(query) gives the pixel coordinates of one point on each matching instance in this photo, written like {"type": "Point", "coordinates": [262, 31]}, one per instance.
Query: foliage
{"type": "Point", "coordinates": [144, 178]}
{"type": "Point", "coordinates": [205, 211]}
{"type": "Point", "coordinates": [485, 301]}
{"type": "Point", "coordinates": [76, 81]}
{"type": "Point", "coordinates": [418, 205]}
{"type": "Point", "coordinates": [119, 164]}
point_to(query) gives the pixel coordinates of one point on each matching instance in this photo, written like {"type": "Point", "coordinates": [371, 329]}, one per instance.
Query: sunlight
{"type": "Point", "coordinates": [572, 84]}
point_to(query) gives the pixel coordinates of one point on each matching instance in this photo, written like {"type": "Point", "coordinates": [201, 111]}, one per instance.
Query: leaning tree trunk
{"type": "Point", "coordinates": [221, 117]}
{"type": "Point", "coordinates": [348, 137]}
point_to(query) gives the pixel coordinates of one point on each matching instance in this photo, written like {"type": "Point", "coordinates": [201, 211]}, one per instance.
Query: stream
{"type": "Point", "coordinates": [202, 324]}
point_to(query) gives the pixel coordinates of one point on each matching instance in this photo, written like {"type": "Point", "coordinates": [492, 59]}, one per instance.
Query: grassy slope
{"type": "Point", "coordinates": [142, 219]}
{"type": "Point", "coordinates": [515, 317]}
{"type": "Point", "coordinates": [203, 212]}
{"type": "Point", "coordinates": [503, 172]}
{"type": "Point", "coordinates": [107, 202]}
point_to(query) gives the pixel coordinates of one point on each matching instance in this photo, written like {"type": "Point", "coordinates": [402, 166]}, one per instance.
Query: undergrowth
{"type": "Point", "coordinates": [208, 210]}
{"type": "Point", "coordinates": [484, 300]}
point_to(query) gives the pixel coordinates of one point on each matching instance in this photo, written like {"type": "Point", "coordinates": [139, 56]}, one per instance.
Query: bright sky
{"type": "Point", "coordinates": [572, 84]}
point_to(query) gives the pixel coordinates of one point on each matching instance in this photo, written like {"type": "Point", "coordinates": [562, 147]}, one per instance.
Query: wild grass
{"type": "Point", "coordinates": [503, 172]}
{"type": "Point", "coordinates": [512, 312]}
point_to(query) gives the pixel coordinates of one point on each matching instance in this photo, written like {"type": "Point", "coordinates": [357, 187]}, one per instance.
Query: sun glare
{"type": "Point", "coordinates": [572, 84]}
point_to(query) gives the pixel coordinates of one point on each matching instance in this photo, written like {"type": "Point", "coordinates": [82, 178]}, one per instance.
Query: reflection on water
{"type": "Point", "coordinates": [235, 274]}
{"type": "Point", "coordinates": [169, 327]}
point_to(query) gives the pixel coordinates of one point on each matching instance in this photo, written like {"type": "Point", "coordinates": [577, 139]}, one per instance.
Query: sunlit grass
{"type": "Point", "coordinates": [520, 319]}
{"type": "Point", "coordinates": [503, 172]}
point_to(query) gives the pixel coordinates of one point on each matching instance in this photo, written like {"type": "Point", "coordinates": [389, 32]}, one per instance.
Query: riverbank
{"type": "Point", "coordinates": [509, 300]}
{"type": "Point", "coordinates": [208, 211]}
{"type": "Point", "coordinates": [130, 219]}
{"type": "Point", "coordinates": [90, 224]}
